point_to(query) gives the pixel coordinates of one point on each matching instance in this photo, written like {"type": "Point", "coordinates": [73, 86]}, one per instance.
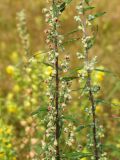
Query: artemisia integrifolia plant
{"type": "Point", "coordinates": [85, 25]}
{"type": "Point", "coordinates": [60, 141]}
{"type": "Point", "coordinates": [58, 88]}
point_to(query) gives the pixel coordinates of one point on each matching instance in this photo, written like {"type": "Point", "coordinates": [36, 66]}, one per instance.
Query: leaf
{"type": "Point", "coordinates": [69, 78]}
{"type": "Point", "coordinates": [92, 17]}
{"type": "Point", "coordinates": [88, 1]}
{"type": "Point", "coordinates": [75, 155]}
{"type": "Point", "coordinates": [63, 5]}
{"type": "Point", "coordinates": [88, 8]}
{"type": "Point", "coordinates": [90, 43]}
{"type": "Point", "coordinates": [41, 109]}
{"type": "Point", "coordinates": [82, 127]}
{"type": "Point", "coordinates": [71, 40]}
{"type": "Point", "coordinates": [73, 31]}
{"type": "Point", "coordinates": [70, 118]}
{"type": "Point", "coordinates": [102, 70]}
{"type": "Point", "coordinates": [97, 101]}
{"type": "Point", "coordinates": [100, 14]}
{"type": "Point", "coordinates": [95, 88]}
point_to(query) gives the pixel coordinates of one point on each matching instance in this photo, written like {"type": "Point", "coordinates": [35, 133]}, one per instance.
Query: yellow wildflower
{"type": "Point", "coordinates": [99, 108]}
{"type": "Point", "coordinates": [1, 130]}
{"type": "Point", "coordinates": [85, 151]}
{"type": "Point", "coordinates": [2, 154]}
{"type": "Point", "coordinates": [14, 56]}
{"type": "Point", "coordinates": [83, 158]}
{"type": "Point", "coordinates": [12, 108]}
{"type": "Point", "coordinates": [16, 88]}
{"type": "Point", "coordinates": [4, 140]}
{"type": "Point", "coordinates": [10, 96]}
{"type": "Point", "coordinates": [8, 131]}
{"type": "Point", "coordinates": [49, 71]}
{"type": "Point", "coordinates": [9, 145]}
{"type": "Point", "coordinates": [115, 101]}
{"type": "Point", "coordinates": [100, 76]}
{"type": "Point", "coordinates": [118, 145]}
{"type": "Point", "coordinates": [10, 70]}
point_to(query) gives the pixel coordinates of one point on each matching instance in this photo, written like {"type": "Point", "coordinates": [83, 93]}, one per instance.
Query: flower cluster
{"type": "Point", "coordinates": [88, 77]}
{"type": "Point", "coordinates": [7, 150]}
{"type": "Point", "coordinates": [23, 33]}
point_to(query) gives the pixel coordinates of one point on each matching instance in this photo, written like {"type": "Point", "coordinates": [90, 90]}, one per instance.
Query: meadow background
{"type": "Point", "coordinates": [15, 115]}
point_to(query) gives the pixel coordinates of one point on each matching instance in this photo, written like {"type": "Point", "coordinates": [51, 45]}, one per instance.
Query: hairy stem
{"type": "Point", "coordinates": [57, 90]}
{"type": "Point", "coordinates": [91, 97]}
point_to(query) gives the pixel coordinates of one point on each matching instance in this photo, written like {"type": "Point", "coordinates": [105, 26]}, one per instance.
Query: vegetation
{"type": "Point", "coordinates": [59, 96]}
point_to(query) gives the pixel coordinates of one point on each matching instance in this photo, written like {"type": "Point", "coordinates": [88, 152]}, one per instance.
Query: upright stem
{"type": "Point", "coordinates": [57, 91]}
{"type": "Point", "coordinates": [91, 97]}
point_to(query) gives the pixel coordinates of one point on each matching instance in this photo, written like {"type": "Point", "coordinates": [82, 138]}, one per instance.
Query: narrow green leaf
{"type": "Point", "coordinates": [41, 109]}
{"type": "Point", "coordinates": [75, 155]}
{"type": "Point", "coordinates": [71, 40]}
{"type": "Point", "coordinates": [73, 31]}
{"type": "Point", "coordinates": [70, 118]}
{"type": "Point", "coordinates": [92, 17]}
{"type": "Point", "coordinates": [63, 5]}
{"type": "Point", "coordinates": [100, 14]}
{"type": "Point", "coordinates": [82, 127]}
{"type": "Point", "coordinates": [102, 70]}
{"type": "Point", "coordinates": [69, 78]}
{"type": "Point", "coordinates": [88, 1]}
{"type": "Point", "coordinates": [88, 8]}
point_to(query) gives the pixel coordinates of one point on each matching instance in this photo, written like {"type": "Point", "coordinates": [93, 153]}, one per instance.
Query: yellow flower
{"type": "Point", "coordinates": [2, 154]}
{"type": "Point", "coordinates": [115, 101]}
{"type": "Point", "coordinates": [49, 71]}
{"type": "Point", "coordinates": [85, 151]}
{"type": "Point", "coordinates": [9, 131]}
{"type": "Point", "coordinates": [12, 108]}
{"type": "Point", "coordinates": [14, 158]}
{"type": "Point", "coordinates": [100, 76]}
{"type": "Point", "coordinates": [9, 145]}
{"type": "Point", "coordinates": [10, 96]}
{"type": "Point", "coordinates": [118, 145]}
{"type": "Point", "coordinates": [99, 108]}
{"type": "Point", "coordinates": [14, 56]}
{"type": "Point", "coordinates": [10, 70]}
{"type": "Point", "coordinates": [4, 140]}
{"type": "Point", "coordinates": [16, 88]}
{"type": "Point", "coordinates": [1, 130]}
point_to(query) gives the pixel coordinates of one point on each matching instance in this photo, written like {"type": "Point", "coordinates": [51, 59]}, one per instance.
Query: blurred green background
{"type": "Point", "coordinates": [106, 48]}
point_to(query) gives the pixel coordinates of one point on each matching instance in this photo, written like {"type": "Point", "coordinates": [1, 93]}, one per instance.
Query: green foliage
{"type": "Point", "coordinates": [23, 99]}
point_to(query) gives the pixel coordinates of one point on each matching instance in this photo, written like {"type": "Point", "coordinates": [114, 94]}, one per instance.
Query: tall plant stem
{"type": "Point", "coordinates": [91, 97]}
{"type": "Point", "coordinates": [57, 89]}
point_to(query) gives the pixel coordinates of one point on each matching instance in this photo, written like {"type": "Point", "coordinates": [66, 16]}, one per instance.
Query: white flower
{"type": "Point", "coordinates": [77, 18]}
{"type": "Point", "coordinates": [55, 142]}
{"type": "Point", "coordinates": [44, 10]}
